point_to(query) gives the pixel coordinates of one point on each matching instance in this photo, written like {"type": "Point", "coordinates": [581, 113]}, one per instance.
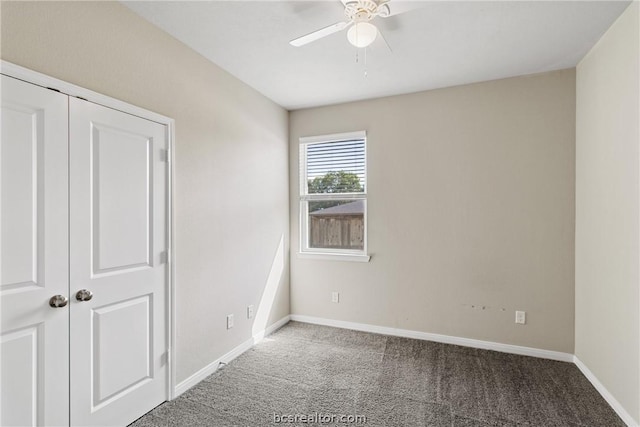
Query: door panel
{"type": "Point", "coordinates": [122, 214]}
{"type": "Point", "coordinates": [118, 212]}
{"type": "Point", "coordinates": [34, 342]}
{"type": "Point", "coordinates": [22, 352]}
{"type": "Point", "coordinates": [122, 362]}
{"type": "Point", "coordinates": [22, 168]}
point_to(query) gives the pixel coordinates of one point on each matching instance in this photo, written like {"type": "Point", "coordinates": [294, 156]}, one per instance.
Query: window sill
{"type": "Point", "coordinates": [323, 256]}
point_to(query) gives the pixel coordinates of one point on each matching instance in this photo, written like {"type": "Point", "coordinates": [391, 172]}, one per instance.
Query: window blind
{"type": "Point", "coordinates": [340, 161]}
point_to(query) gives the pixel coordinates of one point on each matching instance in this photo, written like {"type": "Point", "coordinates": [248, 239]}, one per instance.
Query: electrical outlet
{"type": "Point", "coordinates": [521, 317]}
{"type": "Point", "coordinates": [335, 296]}
{"type": "Point", "coordinates": [229, 321]}
{"type": "Point", "coordinates": [250, 312]}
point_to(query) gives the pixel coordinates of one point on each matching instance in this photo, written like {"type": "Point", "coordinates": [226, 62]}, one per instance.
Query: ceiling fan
{"type": "Point", "coordinates": [361, 32]}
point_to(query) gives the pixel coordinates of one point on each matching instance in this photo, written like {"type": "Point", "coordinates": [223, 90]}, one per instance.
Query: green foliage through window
{"type": "Point", "coordinates": [335, 182]}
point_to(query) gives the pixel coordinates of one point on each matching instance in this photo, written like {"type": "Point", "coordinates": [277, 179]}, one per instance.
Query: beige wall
{"type": "Point", "coordinates": [471, 213]}
{"type": "Point", "coordinates": [607, 210]}
{"type": "Point", "coordinates": [231, 198]}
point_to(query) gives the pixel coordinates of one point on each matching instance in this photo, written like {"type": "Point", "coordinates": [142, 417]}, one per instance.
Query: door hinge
{"type": "Point", "coordinates": [165, 156]}
{"type": "Point", "coordinates": [164, 257]}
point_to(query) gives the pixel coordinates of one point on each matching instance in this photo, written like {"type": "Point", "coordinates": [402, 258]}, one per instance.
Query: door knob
{"type": "Point", "coordinates": [84, 295]}
{"type": "Point", "coordinates": [58, 301]}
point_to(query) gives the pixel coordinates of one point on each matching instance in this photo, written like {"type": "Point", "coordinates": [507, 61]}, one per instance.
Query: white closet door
{"type": "Point", "coordinates": [34, 344]}
{"type": "Point", "coordinates": [118, 179]}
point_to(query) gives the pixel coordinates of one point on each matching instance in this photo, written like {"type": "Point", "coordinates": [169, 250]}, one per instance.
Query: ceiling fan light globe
{"type": "Point", "coordinates": [362, 34]}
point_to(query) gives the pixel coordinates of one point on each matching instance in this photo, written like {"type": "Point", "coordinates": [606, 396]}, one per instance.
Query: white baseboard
{"type": "Point", "coordinates": [612, 401]}
{"type": "Point", "coordinates": [447, 339]}
{"type": "Point", "coordinates": [228, 357]}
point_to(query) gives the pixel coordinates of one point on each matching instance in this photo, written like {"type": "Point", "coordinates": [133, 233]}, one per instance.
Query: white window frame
{"type": "Point", "coordinates": [305, 198]}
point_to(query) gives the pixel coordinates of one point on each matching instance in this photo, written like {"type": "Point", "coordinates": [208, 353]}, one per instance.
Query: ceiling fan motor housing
{"type": "Point", "coordinates": [365, 10]}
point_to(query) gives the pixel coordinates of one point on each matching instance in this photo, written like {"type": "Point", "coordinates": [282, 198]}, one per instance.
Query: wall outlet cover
{"type": "Point", "coordinates": [229, 321]}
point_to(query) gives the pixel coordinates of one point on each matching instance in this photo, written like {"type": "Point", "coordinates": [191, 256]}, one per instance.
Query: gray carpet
{"type": "Point", "coordinates": [308, 369]}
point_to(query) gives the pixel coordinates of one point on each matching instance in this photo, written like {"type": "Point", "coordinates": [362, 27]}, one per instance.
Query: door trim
{"type": "Point", "coordinates": [39, 79]}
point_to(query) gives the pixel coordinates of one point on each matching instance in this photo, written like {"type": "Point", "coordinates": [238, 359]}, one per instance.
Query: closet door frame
{"type": "Point", "coordinates": [34, 77]}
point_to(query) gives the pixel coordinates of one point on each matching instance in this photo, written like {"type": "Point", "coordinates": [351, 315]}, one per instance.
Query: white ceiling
{"type": "Point", "coordinates": [438, 44]}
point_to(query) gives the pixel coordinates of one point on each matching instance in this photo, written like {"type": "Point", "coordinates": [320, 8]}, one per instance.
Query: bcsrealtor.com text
{"type": "Point", "coordinates": [317, 418]}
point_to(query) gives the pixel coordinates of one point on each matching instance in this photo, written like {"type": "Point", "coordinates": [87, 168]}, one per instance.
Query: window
{"type": "Point", "coordinates": [333, 196]}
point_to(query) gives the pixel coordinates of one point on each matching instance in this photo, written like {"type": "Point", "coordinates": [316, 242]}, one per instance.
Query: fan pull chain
{"type": "Point", "coordinates": [365, 62]}
{"type": "Point", "coordinates": [366, 74]}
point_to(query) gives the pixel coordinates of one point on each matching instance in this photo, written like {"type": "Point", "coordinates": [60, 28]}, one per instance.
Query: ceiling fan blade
{"type": "Point", "coordinates": [397, 7]}
{"type": "Point", "coordinates": [384, 40]}
{"type": "Point", "coordinates": [316, 35]}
